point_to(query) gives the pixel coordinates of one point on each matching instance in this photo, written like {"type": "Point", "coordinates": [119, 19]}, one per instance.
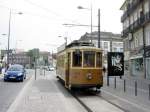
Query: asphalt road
{"type": "Point", "coordinates": [10, 90]}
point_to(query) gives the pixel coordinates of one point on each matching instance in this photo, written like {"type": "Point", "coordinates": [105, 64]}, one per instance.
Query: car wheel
{"type": "Point", "coordinates": [5, 80]}
{"type": "Point", "coordinates": [22, 79]}
{"type": "Point", "coordinates": [25, 77]}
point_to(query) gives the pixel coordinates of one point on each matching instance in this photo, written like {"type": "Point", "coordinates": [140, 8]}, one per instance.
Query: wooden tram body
{"type": "Point", "coordinates": [79, 65]}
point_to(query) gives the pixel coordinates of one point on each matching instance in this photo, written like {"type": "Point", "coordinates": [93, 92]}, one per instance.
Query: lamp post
{"type": "Point", "coordinates": [9, 29]}
{"type": "Point", "coordinates": [80, 7]}
{"type": "Point", "coordinates": [99, 35]}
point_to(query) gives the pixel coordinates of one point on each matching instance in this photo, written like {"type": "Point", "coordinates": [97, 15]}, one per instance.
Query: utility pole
{"type": "Point", "coordinates": [99, 28]}
{"type": "Point", "coordinates": [8, 50]}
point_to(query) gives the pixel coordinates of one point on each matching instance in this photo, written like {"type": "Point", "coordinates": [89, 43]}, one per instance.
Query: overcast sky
{"type": "Point", "coordinates": [41, 22]}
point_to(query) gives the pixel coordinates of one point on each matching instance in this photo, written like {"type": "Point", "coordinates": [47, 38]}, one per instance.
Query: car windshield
{"type": "Point", "coordinates": [15, 69]}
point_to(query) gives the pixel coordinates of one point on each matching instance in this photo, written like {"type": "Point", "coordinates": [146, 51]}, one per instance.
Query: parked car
{"type": "Point", "coordinates": [15, 72]}
{"type": "Point", "coordinates": [51, 68]}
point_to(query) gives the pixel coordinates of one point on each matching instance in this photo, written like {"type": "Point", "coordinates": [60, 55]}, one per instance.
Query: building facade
{"type": "Point", "coordinates": [19, 58]}
{"type": "Point", "coordinates": [136, 37]}
{"type": "Point", "coordinates": [109, 42]}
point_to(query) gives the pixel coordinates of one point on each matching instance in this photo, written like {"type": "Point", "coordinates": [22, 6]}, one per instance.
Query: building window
{"type": "Point", "coordinates": [147, 68]}
{"type": "Point", "coordinates": [147, 36]}
{"type": "Point", "coordinates": [136, 41]}
{"type": "Point", "coordinates": [132, 44]}
{"type": "Point", "coordinates": [105, 45]}
{"type": "Point", "coordinates": [137, 67]}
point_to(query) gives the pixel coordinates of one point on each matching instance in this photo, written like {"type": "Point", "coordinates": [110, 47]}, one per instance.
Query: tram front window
{"type": "Point", "coordinates": [89, 59]}
{"type": "Point", "coordinates": [98, 59]}
{"type": "Point", "coordinates": [77, 59]}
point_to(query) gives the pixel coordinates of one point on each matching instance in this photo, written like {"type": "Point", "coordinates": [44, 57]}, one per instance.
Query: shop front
{"type": "Point", "coordinates": [147, 58]}
{"type": "Point", "coordinates": [137, 69]}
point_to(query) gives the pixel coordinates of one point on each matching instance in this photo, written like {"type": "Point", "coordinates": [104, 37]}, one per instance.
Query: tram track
{"type": "Point", "coordinates": [88, 108]}
{"type": "Point", "coordinates": [81, 102]}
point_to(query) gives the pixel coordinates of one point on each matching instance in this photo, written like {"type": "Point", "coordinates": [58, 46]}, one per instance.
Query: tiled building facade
{"type": "Point", "coordinates": [136, 36]}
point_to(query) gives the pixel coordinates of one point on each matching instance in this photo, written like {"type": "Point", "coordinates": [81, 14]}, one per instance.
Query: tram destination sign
{"type": "Point", "coordinates": [115, 62]}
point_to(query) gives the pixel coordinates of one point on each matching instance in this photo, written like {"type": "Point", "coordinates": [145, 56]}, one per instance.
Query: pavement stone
{"type": "Point", "coordinates": [42, 95]}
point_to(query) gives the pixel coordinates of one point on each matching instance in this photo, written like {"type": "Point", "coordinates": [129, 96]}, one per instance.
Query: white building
{"type": "Point", "coordinates": [136, 36]}
{"type": "Point", "coordinates": [109, 42]}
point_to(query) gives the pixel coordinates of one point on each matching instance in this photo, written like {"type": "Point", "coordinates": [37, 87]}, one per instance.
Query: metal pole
{"type": "Point", "coordinates": [149, 90]}
{"type": "Point", "coordinates": [115, 83]}
{"type": "Point", "coordinates": [9, 28]}
{"type": "Point", "coordinates": [107, 80]}
{"type": "Point", "coordinates": [99, 28]}
{"type": "Point", "coordinates": [135, 88]}
{"type": "Point", "coordinates": [91, 23]}
{"type": "Point", "coordinates": [35, 67]}
{"type": "Point", "coordinates": [124, 85]}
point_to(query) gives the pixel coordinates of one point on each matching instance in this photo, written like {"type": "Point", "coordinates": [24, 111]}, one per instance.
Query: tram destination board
{"type": "Point", "coordinates": [115, 63]}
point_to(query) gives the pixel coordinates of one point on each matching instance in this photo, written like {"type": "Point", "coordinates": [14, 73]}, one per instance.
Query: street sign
{"type": "Point", "coordinates": [115, 63]}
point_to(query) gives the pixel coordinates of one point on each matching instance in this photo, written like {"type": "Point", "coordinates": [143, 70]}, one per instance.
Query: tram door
{"type": "Point", "coordinates": [68, 69]}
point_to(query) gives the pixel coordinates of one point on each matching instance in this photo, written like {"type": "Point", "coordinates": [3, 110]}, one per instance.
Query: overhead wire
{"type": "Point", "coordinates": [50, 11]}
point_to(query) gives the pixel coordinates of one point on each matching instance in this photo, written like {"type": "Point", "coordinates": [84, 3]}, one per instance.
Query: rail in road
{"type": "Point", "coordinates": [93, 102]}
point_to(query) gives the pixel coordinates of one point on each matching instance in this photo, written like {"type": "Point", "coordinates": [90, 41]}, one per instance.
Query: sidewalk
{"type": "Point", "coordinates": [1, 75]}
{"type": "Point", "coordinates": [43, 95]}
{"type": "Point", "coordinates": [128, 99]}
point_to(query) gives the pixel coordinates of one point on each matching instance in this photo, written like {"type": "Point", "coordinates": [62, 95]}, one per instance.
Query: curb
{"type": "Point", "coordinates": [14, 104]}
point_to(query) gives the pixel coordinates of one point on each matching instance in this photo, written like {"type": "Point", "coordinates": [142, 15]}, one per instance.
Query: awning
{"type": "Point", "coordinates": [136, 57]}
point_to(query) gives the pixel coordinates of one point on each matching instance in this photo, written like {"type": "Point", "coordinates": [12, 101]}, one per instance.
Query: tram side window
{"type": "Point", "coordinates": [77, 59]}
{"type": "Point", "coordinates": [98, 59]}
{"type": "Point", "coordinates": [89, 59]}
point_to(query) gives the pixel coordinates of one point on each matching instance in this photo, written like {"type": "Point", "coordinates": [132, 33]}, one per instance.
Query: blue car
{"type": "Point", "coordinates": [15, 72]}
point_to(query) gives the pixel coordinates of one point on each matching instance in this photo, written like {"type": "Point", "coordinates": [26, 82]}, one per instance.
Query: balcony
{"type": "Point", "coordinates": [126, 32]}
{"type": "Point", "coordinates": [130, 8]}
{"type": "Point", "coordinates": [140, 22]}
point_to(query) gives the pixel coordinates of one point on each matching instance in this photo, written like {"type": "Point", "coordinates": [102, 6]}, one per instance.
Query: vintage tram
{"type": "Point", "coordinates": [79, 65]}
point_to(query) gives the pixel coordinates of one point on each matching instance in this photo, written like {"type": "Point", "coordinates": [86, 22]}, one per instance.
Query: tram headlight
{"type": "Point", "coordinates": [89, 76]}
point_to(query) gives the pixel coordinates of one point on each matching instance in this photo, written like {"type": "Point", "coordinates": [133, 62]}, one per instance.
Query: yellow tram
{"type": "Point", "coordinates": [79, 65]}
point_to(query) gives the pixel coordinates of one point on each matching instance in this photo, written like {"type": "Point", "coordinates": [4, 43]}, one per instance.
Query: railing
{"type": "Point", "coordinates": [133, 88]}
{"type": "Point", "coordinates": [130, 8]}
{"type": "Point", "coordinates": [145, 18]}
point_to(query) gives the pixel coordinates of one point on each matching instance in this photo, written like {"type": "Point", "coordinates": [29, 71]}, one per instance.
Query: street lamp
{"type": "Point", "coordinates": [80, 7]}
{"type": "Point", "coordinates": [9, 29]}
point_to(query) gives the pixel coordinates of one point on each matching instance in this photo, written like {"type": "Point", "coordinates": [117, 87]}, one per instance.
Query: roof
{"type": "Point", "coordinates": [123, 5]}
{"type": "Point", "coordinates": [80, 43]}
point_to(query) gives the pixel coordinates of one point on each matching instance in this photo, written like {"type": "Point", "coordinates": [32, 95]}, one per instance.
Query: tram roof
{"type": "Point", "coordinates": [79, 43]}
{"type": "Point", "coordinates": [85, 48]}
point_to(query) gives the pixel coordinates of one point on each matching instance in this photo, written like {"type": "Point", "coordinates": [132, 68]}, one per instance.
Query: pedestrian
{"type": "Point", "coordinates": [104, 69]}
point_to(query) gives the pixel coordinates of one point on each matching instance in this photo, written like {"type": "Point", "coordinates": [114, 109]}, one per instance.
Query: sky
{"type": "Point", "coordinates": [41, 24]}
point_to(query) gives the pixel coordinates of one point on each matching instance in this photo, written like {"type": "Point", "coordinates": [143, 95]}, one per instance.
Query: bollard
{"type": "Point", "coordinates": [35, 73]}
{"type": "Point", "coordinates": [44, 71]}
{"type": "Point", "coordinates": [149, 91]}
{"type": "Point", "coordinates": [135, 88]}
{"type": "Point", "coordinates": [115, 82]}
{"type": "Point", "coordinates": [107, 80]}
{"type": "Point", "coordinates": [124, 87]}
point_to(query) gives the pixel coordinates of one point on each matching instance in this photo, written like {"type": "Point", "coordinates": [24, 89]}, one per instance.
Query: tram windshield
{"type": "Point", "coordinates": [98, 59]}
{"type": "Point", "coordinates": [77, 59]}
{"type": "Point", "coordinates": [89, 59]}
